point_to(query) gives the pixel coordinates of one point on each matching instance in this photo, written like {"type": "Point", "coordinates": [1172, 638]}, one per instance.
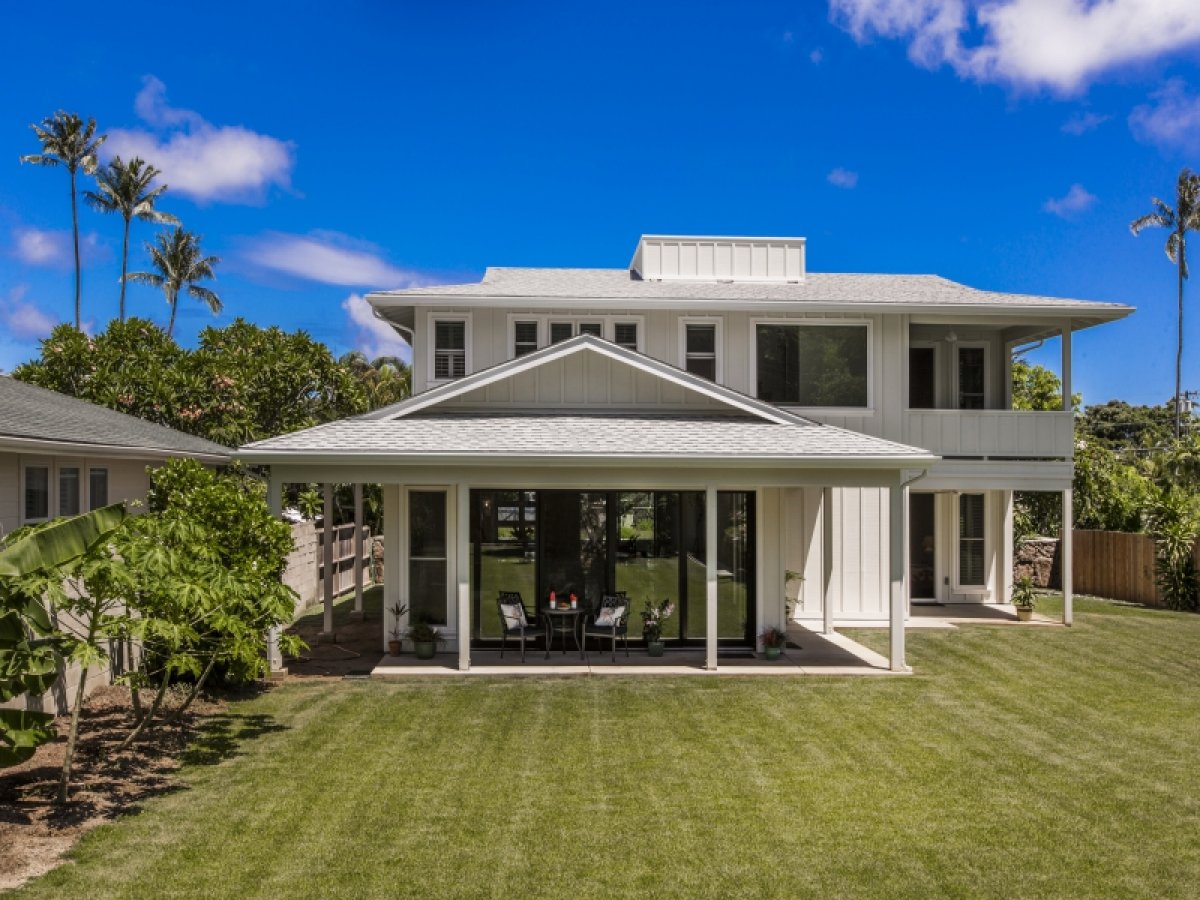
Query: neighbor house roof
{"type": "Point", "coordinates": [34, 419]}
{"type": "Point", "coordinates": [738, 429]}
{"type": "Point", "coordinates": [621, 288]}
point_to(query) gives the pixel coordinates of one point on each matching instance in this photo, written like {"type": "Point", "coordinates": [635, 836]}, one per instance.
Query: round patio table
{"type": "Point", "coordinates": [564, 622]}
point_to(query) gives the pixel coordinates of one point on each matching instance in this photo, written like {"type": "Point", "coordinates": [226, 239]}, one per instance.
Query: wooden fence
{"type": "Point", "coordinates": [1118, 565]}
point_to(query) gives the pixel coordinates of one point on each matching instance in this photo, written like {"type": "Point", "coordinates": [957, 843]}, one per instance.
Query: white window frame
{"type": "Point", "coordinates": [51, 489]}
{"type": "Point", "coordinates": [959, 587]}
{"type": "Point", "coordinates": [608, 324]}
{"type": "Point", "coordinates": [719, 324]}
{"type": "Point", "coordinates": [81, 487]}
{"type": "Point", "coordinates": [431, 332]}
{"type": "Point", "coordinates": [89, 469]}
{"type": "Point", "coordinates": [987, 374]}
{"type": "Point", "coordinates": [869, 324]}
{"type": "Point", "coordinates": [450, 629]}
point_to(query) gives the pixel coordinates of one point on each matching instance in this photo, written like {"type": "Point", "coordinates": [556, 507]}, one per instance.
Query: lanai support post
{"type": "Point", "coordinates": [327, 560]}
{"type": "Point", "coordinates": [710, 568]}
{"type": "Point", "coordinates": [1066, 557]}
{"type": "Point", "coordinates": [827, 560]}
{"type": "Point", "coordinates": [274, 656]}
{"type": "Point", "coordinates": [358, 551]}
{"type": "Point", "coordinates": [896, 544]}
{"type": "Point", "coordinates": [462, 558]}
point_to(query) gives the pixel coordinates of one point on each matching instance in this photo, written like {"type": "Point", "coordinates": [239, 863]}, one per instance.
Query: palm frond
{"type": "Point", "coordinates": [151, 278]}
{"type": "Point", "coordinates": [207, 297]}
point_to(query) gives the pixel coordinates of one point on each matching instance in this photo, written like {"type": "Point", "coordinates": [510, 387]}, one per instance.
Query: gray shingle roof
{"type": "Point", "coordinates": [29, 412]}
{"type": "Point", "coordinates": [818, 289]}
{"type": "Point", "coordinates": [583, 437]}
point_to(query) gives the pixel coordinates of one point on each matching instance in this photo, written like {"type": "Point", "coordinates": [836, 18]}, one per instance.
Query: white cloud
{"type": "Point", "coordinates": [1082, 123]}
{"type": "Point", "coordinates": [206, 162]}
{"type": "Point", "coordinates": [52, 249]}
{"type": "Point", "coordinates": [1076, 200]}
{"type": "Point", "coordinates": [330, 258]}
{"type": "Point", "coordinates": [1058, 44]}
{"type": "Point", "coordinates": [1172, 121]}
{"type": "Point", "coordinates": [843, 178]}
{"type": "Point", "coordinates": [816, 57]}
{"type": "Point", "coordinates": [373, 336]}
{"type": "Point", "coordinates": [22, 318]}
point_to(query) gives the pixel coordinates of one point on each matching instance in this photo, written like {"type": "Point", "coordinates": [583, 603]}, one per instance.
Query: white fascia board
{"type": "Point", "coordinates": [1010, 475]}
{"type": "Point", "coordinates": [114, 451]}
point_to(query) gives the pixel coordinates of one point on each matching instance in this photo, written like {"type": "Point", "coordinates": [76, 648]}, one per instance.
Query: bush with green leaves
{"type": "Point", "coordinates": [1174, 526]}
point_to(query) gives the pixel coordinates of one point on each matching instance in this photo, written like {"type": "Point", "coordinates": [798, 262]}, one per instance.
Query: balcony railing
{"type": "Point", "coordinates": [991, 432]}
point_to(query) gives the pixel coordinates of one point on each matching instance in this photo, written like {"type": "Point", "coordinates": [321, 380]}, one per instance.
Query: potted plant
{"type": "Point", "coordinates": [425, 639]}
{"type": "Point", "coordinates": [790, 602]}
{"type": "Point", "coordinates": [398, 611]}
{"type": "Point", "coordinates": [773, 640]}
{"type": "Point", "coordinates": [653, 617]}
{"type": "Point", "coordinates": [1024, 597]}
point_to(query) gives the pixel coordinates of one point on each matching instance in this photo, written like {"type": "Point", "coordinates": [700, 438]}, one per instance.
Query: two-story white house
{"type": "Point", "coordinates": [705, 424]}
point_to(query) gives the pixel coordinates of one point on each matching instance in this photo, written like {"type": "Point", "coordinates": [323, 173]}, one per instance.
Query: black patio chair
{"type": "Point", "coordinates": [515, 621]}
{"type": "Point", "coordinates": [609, 619]}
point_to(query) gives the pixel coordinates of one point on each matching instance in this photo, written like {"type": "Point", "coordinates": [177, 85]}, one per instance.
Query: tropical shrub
{"type": "Point", "coordinates": [1175, 527]}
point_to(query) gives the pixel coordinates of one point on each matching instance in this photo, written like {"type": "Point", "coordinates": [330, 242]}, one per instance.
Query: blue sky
{"type": "Point", "coordinates": [1004, 144]}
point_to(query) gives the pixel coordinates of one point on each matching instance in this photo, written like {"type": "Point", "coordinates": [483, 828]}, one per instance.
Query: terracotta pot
{"type": "Point", "coordinates": [393, 648]}
{"type": "Point", "coordinates": [1024, 613]}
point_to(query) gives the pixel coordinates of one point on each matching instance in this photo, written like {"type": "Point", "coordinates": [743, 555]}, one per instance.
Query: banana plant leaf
{"type": "Point", "coordinates": [21, 733]}
{"type": "Point", "coordinates": [60, 542]}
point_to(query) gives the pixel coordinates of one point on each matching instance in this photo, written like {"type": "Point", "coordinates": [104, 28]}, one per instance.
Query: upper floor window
{"type": "Point", "coordinates": [972, 372]}
{"type": "Point", "coordinates": [626, 335]}
{"type": "Point", "coordinates": [700, 349]}
{"type": "Point", "coordinates": [37, 493]}
{"type": "Point", "coordinates": [449, 349]}
{"type": "Point", "coordinates": [813, 365]}
{"type": "Point", "coordinates": [525, 338]}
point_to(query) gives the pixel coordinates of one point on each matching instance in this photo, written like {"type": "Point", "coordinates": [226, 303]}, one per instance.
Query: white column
{"type": "Point", "coordinates": [1066, 366]}
{"type": "Point", "coordinates": [327, 559]}
{"type": "Point", "coordinates": [358, 550]}
{"type": "Point", "coordinates": [1006, 547]}
{"type": "Point", "coordinates": [1066, 556]}
{"type": "Point", "coordinates": [827, 560]}
{"type": "Point", "coordinates": [392, 580]}
{"type": "Point", "coordinates": [275, 507]}
{"type": "Point", "coordinates": [710, 559]}
{"type": "Point", "coordinates": [896, 545]}
{"type": "Point", "coordinates": [462, 558]}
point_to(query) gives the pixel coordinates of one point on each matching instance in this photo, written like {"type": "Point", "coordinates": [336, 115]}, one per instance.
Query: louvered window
{"type": "Point", "coordinates": [525, 338]}
{"type": "Point", "coordinates": [625, 334]}
{"type": "Point", "coordinates": [971, 540]}
{"type": "Point", "coordinates": [449, 350]}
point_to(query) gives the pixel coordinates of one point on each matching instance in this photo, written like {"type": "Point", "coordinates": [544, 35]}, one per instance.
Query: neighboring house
{"type": "Point", "coordinates": [60, 456]}
{"type": "Point", "coordinates": [697, 425]}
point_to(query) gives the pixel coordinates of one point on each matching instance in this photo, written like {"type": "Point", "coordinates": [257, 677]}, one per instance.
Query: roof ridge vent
{"type": "Point", "coordinates": [779, 260]}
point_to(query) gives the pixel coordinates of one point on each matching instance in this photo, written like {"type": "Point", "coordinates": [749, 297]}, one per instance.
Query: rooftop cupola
{"type": "Point", "coordinates": [665, 257]}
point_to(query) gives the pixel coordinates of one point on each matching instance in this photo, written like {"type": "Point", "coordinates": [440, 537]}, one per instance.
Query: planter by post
{"type": "Point", "coordinates": [425, 649]}
{"type": "Point", "coordinates": [654, 648]}
{"type": "Point", "coordinates": [773, 652]}
{"type": "Point", "coordinates": [393, 648]}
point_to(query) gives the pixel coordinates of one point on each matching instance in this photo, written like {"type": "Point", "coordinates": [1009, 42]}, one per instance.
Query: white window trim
{"type": "Point", "coordinates": [450, 629]}
{"type": "Point", "coordinates": [719, 323]}
{"type": "Point", "coordinates": [939, 398]}
{"type": "Point", "coordinates": [82, 488]}
{"type": "Point", "coordinates": [988, 538]}
{"type": "Point", "coordinates": [55, 465]}
{"type": "Point", "coordinates": [869, 324]}
{"type": "Point", "coordinates": [607, 322]}
{"type": "Point", "coordinates": [510, 349]}
{"type": "Point", "coordinates": [431, 337]}
{"type": "Point", "coordinates": [51, 489]}
{"type": "Point", "coordinates": [87, 486]}
{"type": "Point", "coordinates": [987, 375]}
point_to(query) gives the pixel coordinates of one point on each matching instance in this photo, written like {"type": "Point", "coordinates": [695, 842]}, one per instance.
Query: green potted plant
{"type": "Point", "coordinates": [1024, 597]}
{"type": "Point", "coordinates": [398, 611]}
{"type": "Point", "coordinates": [773, 640]}
{"type": "Point", "coordinates": [653, 617]}
{"type": "Point", "coordinates": [425, 639]}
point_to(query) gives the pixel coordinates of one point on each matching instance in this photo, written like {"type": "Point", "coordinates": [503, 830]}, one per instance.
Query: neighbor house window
{"type": "Point", "coordinates": [68, 491]}
{"type": "Point", "coordinates": [971, 540]}
{"type": "Point", "coordinates": [427, 560]}
{"type": "Point", "coordinates": [37, 493]}
{"type": "Point", "coordinates": [700, 350]}
{"type": "Point", "coordinates": [626, 334]}
{"type": "Point", "coordinates": [971, 377]}
{"type": "Point", "coordinates": [525, 338]}
{"type": "Point", "coordinates": [449, 349]}
{"type": "Point", "coordinates": [813, 365]}
{"type": "Point", "coordinates": [97, 488]}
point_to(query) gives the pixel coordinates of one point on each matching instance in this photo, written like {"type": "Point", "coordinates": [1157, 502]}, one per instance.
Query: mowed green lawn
{"type": "Point", "coordinates": [1017, 762]}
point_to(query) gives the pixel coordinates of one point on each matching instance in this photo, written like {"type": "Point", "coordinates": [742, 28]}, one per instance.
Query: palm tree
{"type": "Point", "coordinates": [68, 141]}
{"type": "Point", "coordinates": [1179, 221]}
{"type": "Point", "coordinates": [385, 379]}
{"type": "Point", "coordinates": [124, 187]}
{"type": "Point", "coordinates": [179, 263]}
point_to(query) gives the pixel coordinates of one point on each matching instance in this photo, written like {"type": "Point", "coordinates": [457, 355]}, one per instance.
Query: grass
{"type": "Point", "coordinates": [1017, 762]}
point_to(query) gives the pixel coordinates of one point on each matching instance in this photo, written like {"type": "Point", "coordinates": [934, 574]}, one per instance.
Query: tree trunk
{"type": "Point", "coordinates": [124, 267]}
{"type": "Point", "coordinates": [174, 301]}
{"type": "Point", "coordinates": [1179, 346]}
{"type": "Point", "coordinates": [64, 781]}
{"type": "Point", "coordinates": [153, 711]}
{"type": "Point", "coordinates": [75, 235]}
{"type": "Point", "coordinates": [195, 692]}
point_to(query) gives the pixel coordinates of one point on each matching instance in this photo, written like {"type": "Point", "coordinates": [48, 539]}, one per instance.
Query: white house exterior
{"type": "Point", "coordinates": [699, 424]}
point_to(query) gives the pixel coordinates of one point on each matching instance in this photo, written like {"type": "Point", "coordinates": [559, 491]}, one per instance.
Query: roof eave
{"type": "Point", "coordinates": [18, 444]}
